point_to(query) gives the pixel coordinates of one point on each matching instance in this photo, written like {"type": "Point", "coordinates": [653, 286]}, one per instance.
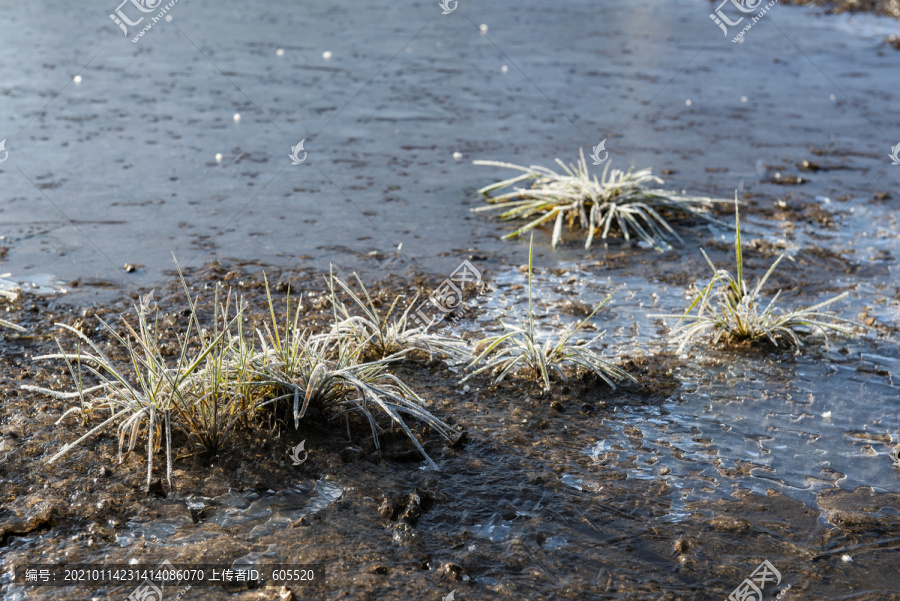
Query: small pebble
{"type": "Point", "coordinates": [218, 157]}
{"type": "Point", "coordinates": [279, 52]}
{"type": "Point", "coordinates": [237, 117]}
{"type": "Point", "coordinates": [327, 54]}
{"type": "Point", "coordinates": [457, 156]}
{"type": "Point", "coordinates": [452, 571]}
{"type": "Point", "coordinates": [77, 79]}
{"type": "Point", "coordinates": [483, 28]}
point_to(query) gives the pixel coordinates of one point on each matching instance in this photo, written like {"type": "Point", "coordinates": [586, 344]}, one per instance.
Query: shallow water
{"type": "Point", "coordinates": [150, 117]}
{"type": "Point", "coordinates": [799, 424]}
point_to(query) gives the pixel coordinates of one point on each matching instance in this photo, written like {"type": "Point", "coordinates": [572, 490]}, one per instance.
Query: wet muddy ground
{"type": "Point", "coordinates": [671, 508]}
{"type": "Point", "coordinates": [674, 488]}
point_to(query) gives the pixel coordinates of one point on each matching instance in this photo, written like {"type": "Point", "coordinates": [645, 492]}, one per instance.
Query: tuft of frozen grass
{"type": "Point", "coordinates": [732, 311]}
{"type": "Point", "coordinates": [341, 386]}
{"type": "Point", "coordinates": [519, 348]}
{"type": "Point", "coordinates": [216, 400]}
{"type": "Point", "coordinates": [150, 391]}
{"type": "Point", "coordinates": [326, 372]}
{"type": "Point", "coordinates": [220, 379]}
{"type": "Point", "coordinates": [620, 199]}
{"type": "Point", "coordinates": [10, 295]}
{"type": "Point", "coordinates": [387, 333]}
{"type": "Point", "coordinates": [219, 376]}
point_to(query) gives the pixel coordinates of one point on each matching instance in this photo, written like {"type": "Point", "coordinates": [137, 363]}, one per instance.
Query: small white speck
{"type": "Point", "coordinates": [483, 28]}
{"type": "Point", "coordinates": [504, 68]}
{"type": "Point", "coordinates": [399, 247]}
{"type": "Point", "coordinates": [168, 18]}
{"type": "Point", "coordinates": [77, 79]}
{"type": "Point", "coordinates": [218, 157]}
{"type": "Point", "coordinates": [832, 97]}
{"type": "Point", "coordinates": [846, 558]}
{"type": "Point", "coordinates": [237, 117]}
{"type": "Point", "coordinates": [279, 52]}
{"type": "Point", "coordinates": [743, 99]}
{"type": "Point", "coordinates": [688, 102]}
{"type": "Point", "coordinates": [827, 415]}
{"type": "Point", "coordinates": [327, 54]}
{"type": "Point", "coordinates": [457, 156]}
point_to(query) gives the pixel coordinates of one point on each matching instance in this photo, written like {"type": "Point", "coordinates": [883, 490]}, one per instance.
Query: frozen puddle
{"type": "Point", "coordinates": [753, 423]}
{"type": "Point", "coordinates": [743, 420]}
{"type": "Point", "coordinates": [248, 514]}
{"type": "Point", "coordinates": [35, 284]}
